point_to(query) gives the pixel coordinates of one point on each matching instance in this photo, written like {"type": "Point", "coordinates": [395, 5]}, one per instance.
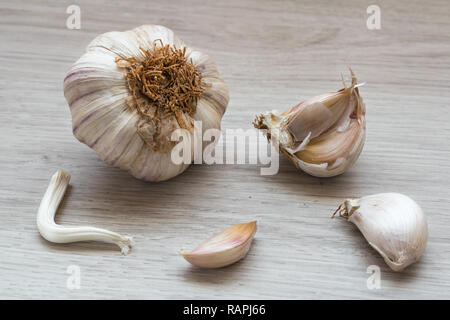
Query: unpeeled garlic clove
{"type": "Point", "coordinates": [224, 248]}
{"type": "Point", "coordinates": [392, 223]}
{"type": "Point", "coordinates": [65, 234]}
{"type": "Point", "coordinates": [322, 136]}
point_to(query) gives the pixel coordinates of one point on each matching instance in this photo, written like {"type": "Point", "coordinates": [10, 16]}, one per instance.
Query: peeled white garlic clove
{"type": "Point", "coordinates": [65, 234]}
{"type": "Point", "coordinates": [224, 248]}
{"type": "Point", "coordinates": [127, 130]}
{"type": "Point", "coordinates": [392, 223]}
{"type": "Point", "coordinates": [322, 136]}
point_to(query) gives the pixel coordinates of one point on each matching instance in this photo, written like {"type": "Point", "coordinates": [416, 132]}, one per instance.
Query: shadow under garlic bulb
{"type": "Point", "coordinates": [131, 90]}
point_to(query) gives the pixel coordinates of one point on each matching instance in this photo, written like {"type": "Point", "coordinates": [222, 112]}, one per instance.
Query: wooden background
{"type": "Point", "coordinates": [272, 54]}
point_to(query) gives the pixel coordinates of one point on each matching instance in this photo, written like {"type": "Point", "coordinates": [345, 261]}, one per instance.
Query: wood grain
{"type": "Point", "coordinates": [272, 54]}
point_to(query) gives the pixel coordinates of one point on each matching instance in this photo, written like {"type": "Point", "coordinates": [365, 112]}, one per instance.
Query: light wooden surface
{"type": "Point", "coordinates": [272, 54]}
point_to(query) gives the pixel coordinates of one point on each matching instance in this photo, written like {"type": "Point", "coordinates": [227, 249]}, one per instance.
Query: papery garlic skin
{"type": "Point", "coordinates": [96, 91]}
{"type": "Point", "coordinates": [224, 248]}
{"type": "Point", "coordinates": [392, 223]}
{"type": "Point", "coordinates": [65, 234]}
{"type": "Point", "coordinates": [324, 135]}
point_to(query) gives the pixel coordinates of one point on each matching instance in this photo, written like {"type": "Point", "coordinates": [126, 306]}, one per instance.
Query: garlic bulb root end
{"type": "Point", "coordinates": [130, 91]}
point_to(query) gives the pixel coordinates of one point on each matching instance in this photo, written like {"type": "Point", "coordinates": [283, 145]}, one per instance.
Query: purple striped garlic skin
{"type": "Point", "coordinates": [97, 93]}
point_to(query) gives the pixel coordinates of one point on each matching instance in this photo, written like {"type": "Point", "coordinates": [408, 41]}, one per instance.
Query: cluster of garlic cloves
{"type": "Point", "coordinates": [393, 224]}
{"type": "Point", "coordinates": [121, 106]}
{"type": "Point", "coordinates": [224, 248]}
{"type": "Point", "coordinates": [130, 91]}
{"type": "Point", "coordinates": [66, 234]}
{"type": "Point", "coordinates": [322, 136]}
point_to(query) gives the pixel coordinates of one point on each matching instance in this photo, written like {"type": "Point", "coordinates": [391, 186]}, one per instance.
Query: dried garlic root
{"type": "Point", "coordinates": [224, 248]}
{"type": "Point", "coordinates": [65, 234]}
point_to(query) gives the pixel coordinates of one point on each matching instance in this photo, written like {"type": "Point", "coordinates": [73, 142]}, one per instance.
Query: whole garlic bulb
{"type": "Point", "coordinates": [324, 135]}
{"type": "Point", "coordinates": [392, 223]}
{"type": "Point", "coordinates": [132, 89]}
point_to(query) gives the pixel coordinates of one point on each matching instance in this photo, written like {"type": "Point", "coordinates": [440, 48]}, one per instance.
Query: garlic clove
{"type": "Point", "coordinates": [322, 136]}
{"type": "Point", "coordinates": [224, 248]}
{"type": "Point", "coordinates": [215, 95]}
{"type": "Point", "coordinates": [334, 151]}
{"type": "Point", "coordinates": [393, 224]}
{"type": "Point", "coordinates": [205, 64]}
{"type": "Point", "coordinates": [65, 234]}
{"type": "Point", "coordinates": [316, 115]}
